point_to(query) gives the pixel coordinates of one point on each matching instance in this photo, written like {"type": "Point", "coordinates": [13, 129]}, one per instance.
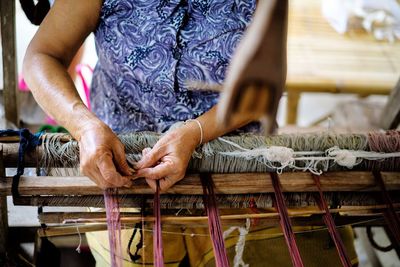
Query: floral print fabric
{"type": "Point", "coordinates": [149, 49]}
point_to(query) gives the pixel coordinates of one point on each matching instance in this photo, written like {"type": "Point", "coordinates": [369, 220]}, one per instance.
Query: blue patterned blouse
{"type": "Point", "coordinates": [149, 49]}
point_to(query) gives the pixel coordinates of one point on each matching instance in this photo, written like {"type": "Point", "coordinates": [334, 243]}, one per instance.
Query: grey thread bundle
{"type": "Point", "coordinates": [210, 157]}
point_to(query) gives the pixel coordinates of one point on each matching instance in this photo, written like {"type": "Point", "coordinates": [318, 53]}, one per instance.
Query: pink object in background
{"type": "Point", "coordinates": [22, 86]}
{"type": "Point", "coordinates": [85, 85]}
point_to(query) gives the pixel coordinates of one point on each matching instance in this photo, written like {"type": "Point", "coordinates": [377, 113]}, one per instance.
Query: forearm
{"type": "Point", "coordinates": [55, 92]}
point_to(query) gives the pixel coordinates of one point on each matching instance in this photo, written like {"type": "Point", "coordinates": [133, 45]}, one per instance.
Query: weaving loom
{"type": "Point", "coordinates": [349, 168]}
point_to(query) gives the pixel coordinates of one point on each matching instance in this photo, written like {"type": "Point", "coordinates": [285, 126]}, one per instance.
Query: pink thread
{"type": "Point", "coordinates": [330, 224]}
{"type": "Point", "coordinates": [214, 222]}
{"type": "Point", "coordinates": [111, 202]}
{"type": "Point", "coordinates": [157, 236]}
{"type": "Point", "coordinates": [285, 222]}
{"type": "Point", "coordinates": [386, 142]}
{"type": "Point", "coordinates": [390, 215]}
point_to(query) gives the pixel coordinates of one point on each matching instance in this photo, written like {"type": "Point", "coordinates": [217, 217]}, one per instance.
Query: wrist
{"type": "Point", "coordinates": [81, 120]}
{"type": "Point", "coordinates": [193, 130]}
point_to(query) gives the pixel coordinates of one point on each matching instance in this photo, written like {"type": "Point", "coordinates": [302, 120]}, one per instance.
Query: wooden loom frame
{"type": "Point", "coordinates": [32, 188]}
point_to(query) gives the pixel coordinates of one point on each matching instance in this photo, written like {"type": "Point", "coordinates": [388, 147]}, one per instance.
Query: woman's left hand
{"type": "Point", "coordinates": [168, 159]}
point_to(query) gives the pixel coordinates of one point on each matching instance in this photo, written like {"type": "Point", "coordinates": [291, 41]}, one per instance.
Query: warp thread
{"type": "Point", "coordinates": [157, 235]}
{"type": "Point", "coordinates": [285, 222]}
{"type": "Point", "coordinates": [387, 142]}
{"type": "Point", "coordinates": [210, 157]}
{"type": "Point", "coordinates": [330, 224]}
{"type": "Point", "coordinates": [390, 215]}
{"type": "Point", "coordinates": [239, 248]}
{"type": "Point", "coordinates": [214, 221]}
{"type": "Point", "coordinates": [111, 202]}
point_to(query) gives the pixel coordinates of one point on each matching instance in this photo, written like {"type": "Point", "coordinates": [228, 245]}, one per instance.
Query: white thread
{"type": "Point", "coordinates": [312, 160]}
{"type": "Point", "coordinates": [78, 249]}
{"type": "Point", "coordinates": [343, 157]}
{"type": "Point", "coordinates": [201, 129]}
{"type": "Point", "coordinates": [239, 248]}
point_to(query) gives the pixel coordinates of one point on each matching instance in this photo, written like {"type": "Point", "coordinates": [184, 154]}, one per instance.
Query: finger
{"type": "Point", "coordinates": [108, 171]}
{"type": "Point", "coordinates": [120, 160]}
{"type": "Point", "coordinates": [128, 184]}
{"type": "Point", "coordinates": [152, 184]}
{"type": "Point", "coordinates": [151, 158]}
{"type": "Point", "coordinates": [160, 171]}
{"type": "Point", "coordinates": [146, 150]}
{"type": "Point", "coordinates": [166, 183]}
{"type": "Point", "coordinates": [95, 176]}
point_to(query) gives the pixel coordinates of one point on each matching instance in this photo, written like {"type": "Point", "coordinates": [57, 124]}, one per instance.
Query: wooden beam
{"type": "Point", "coordinates": [390, 117]}
{"type": "Point", "coordinates": [7, 12]}
{"type": "Point", "coordinates": [239, 183]}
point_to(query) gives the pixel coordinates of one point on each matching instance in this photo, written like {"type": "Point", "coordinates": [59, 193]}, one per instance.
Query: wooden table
{"type": "Point", "coordinates": [322, 60]}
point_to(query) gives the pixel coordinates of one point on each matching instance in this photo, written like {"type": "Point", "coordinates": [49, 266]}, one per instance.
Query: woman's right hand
{"type": "Point", "coordinates": [102, 157]}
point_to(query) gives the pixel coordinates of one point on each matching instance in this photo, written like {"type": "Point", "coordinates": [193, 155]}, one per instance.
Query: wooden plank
{"type": "Point", "coordinates": [239, 183]}
{"type": "Point", "coordinates": [321, 60]}
{"type": "Point", "coordinates": [390, 117]}
{"type": "Point", "coordinates": [7, 12]}
{"type": "Point", "coordinates": [3, 215]}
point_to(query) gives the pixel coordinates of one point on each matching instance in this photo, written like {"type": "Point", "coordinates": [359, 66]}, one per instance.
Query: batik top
{"type": "Point", "coordinates": [149, 50]}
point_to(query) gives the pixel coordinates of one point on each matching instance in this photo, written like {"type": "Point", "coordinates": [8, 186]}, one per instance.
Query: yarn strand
{"type": "Point", "coordinates": [157, 236]}
{"type": "Point", "coordinates": [390, 215]}
{"type": "Point", "coordinates": [113, 225]}
{"type": "Point", "coordinates": [285, 222]}
{"type": "Point", "coordinates": [214, 221]}
{"type": "Point", "coordinates": [330, 224]}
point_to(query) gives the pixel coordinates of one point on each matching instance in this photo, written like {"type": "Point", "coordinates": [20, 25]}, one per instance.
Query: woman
{"type": "Point", "coordinates": [148, 51]}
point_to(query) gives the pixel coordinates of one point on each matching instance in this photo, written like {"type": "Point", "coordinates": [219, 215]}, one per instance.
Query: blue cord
{"type": "Point", "coordinates": [27, 142]}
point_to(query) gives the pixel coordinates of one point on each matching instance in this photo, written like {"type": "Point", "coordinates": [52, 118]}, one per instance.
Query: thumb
{"type": "Point", "coordinates": [120, 160]}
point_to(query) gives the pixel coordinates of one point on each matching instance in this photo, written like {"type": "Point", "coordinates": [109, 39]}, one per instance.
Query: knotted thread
{"type": "Point", "coordinates": [214, 221]}
{"type": "Point", "coordinates": [285, 222]}
{"type": "Point", "coordinates": [279, 157]}
{"type": "Point", "coordinates": [330, 224]}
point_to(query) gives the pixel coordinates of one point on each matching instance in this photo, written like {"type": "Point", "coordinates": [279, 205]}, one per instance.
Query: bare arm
{"type": "Point", "coordinates": [49, 54]}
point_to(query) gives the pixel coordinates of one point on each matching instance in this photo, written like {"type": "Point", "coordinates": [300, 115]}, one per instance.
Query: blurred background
{"type": "Point", "coordinates": [343, 63]}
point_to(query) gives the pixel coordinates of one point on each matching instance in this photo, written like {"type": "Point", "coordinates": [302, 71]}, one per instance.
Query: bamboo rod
{"type": "Point", "coordinates": [299, 218]}
{"type": "Point", "coordinates": [131, 217]}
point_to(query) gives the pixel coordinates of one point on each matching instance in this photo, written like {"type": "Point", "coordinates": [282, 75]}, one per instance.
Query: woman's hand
{"type": "Point", "coordinates": [102, 157]}
{"type": "Point", "coordinates": [168, 159]}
